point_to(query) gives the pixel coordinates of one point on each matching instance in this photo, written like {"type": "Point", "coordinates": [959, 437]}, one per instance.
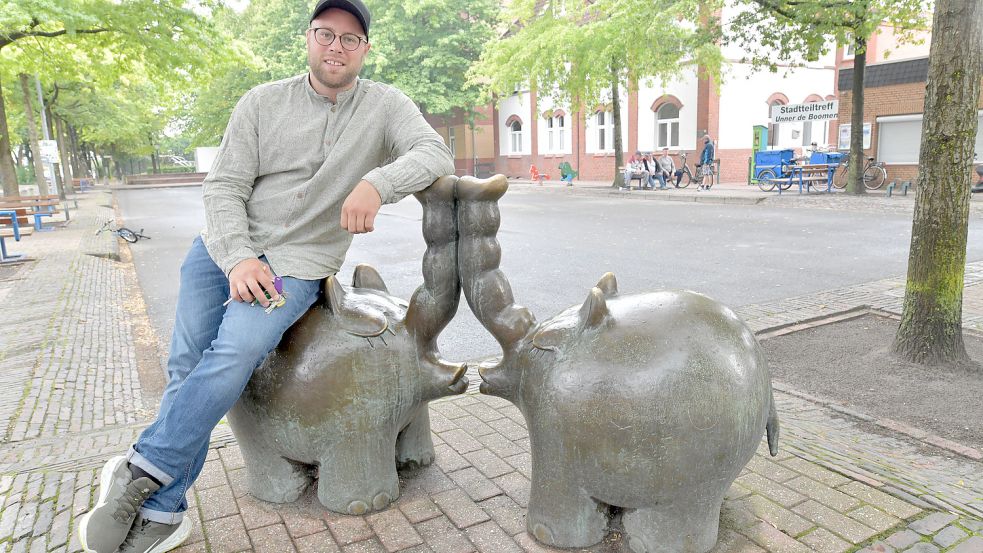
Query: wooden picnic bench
{"type": "Point", "coordinates": [817, 176]}
{"type": "Point", "coordinates": [37, 207]}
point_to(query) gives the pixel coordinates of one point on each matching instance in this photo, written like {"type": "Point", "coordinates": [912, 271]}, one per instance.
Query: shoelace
{"type": "Point", "coordinates": [126, 506]}
{"type": "Point", "coordinates": [134, 533]}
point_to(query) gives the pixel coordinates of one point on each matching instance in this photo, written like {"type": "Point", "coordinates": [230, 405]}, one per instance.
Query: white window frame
{"type": "Point", "coordinates": [452, 141]}
{"type": "Point", "coordinates": [671, 124]}
{"type": "Point", "coordinates": [774, 128]}
{"type": "Point", "coordinates": [560, 129]}
{"type": "Point", "coordinates": [605, 131]}
{"type": "Point", "coordinates": [549, 135]}
{"type": "Point", "coordinates": [515, 137]}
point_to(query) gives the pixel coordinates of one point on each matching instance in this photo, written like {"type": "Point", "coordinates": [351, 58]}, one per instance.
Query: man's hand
{"type": "Point", "coordinates": [360, 208]}
{"type": "Point", "coordinates": [249, 279]}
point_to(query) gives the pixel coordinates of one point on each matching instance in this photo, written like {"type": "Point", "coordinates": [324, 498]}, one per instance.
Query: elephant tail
{"type": "Point", "coordinates": [772, 427]}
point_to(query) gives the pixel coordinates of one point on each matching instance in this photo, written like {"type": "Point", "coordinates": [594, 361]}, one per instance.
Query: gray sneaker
{"type": "Point", "coordinates": [148, 536]}
{"type": "Point", "coordinates": [104, 528]}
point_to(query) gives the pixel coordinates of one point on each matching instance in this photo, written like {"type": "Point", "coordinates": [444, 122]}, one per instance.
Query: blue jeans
{"type": "Point", "coordinates": [214, 351]}
{"type": "Point", "coordinates": [659, 177]}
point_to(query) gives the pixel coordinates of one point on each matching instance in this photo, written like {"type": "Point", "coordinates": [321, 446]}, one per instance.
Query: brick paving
{"type": "Point", "coordinates": [75, 393]}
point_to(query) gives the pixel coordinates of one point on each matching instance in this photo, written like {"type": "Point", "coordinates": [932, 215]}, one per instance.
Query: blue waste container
{"type": "Point", "coordinates": [772, 159]}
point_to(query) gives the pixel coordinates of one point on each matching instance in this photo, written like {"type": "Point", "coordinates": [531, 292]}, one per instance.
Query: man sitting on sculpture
{"type": "Point", "coordinates": [305, 164]}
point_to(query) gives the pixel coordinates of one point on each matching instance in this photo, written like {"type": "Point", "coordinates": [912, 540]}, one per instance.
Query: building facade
{"type": "Point", "coordinates": [529, 129]}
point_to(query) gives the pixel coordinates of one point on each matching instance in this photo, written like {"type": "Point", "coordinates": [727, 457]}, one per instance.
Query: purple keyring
{"type": "Point", "coordinates": [278, 284]}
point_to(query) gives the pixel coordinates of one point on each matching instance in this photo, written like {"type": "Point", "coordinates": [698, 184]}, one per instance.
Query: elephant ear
{"type": "Point", "coordinates": [355, 314]}
{"type": "Point", "coordinates": [367, 277]}
{"type": "Point", "coordinates": [594, 311]}
{"type": "Point", "coordinates": [608, 285]}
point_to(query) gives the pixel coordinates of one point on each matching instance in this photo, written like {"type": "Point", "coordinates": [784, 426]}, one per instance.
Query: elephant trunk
{"type": "Point", "coordinates": [486, 288]}
{"type": "Point", "coordinates": [435, 302]}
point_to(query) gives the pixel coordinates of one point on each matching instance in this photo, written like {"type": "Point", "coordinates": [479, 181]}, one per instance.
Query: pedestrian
{"type": "Point", "coordinates": [705, 165]}
{"type": "Point", "coordinates": [304, 165]}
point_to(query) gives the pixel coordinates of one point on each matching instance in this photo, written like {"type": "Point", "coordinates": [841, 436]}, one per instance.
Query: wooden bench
{"type": "Point", "coordinates": [819, 177]}
{"type": "Point", "coordinates": [14, 231]}
{"type": "Point", "coordinates": [37, 207]}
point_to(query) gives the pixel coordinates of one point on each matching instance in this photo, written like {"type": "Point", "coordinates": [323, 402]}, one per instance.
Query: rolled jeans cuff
{"type": "Point", "coordinates": [134, 458]}
{"type": "Point", "coordinates": [162, 517]}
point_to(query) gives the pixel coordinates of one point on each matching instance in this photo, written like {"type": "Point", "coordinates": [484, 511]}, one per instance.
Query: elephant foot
{"type": "Point", "coordinates": [276, 481]}
{"type": "Point", "coordinates": [414, 446]}
{"type": "Point", "coordinates": [566, 520]}
{"type": "Point", "coordinates": [358, 486]}
{"type": "Point", "coordinates": [673, 528]}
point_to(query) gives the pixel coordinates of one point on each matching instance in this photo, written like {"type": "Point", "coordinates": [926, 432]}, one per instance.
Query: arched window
{"type": "Point", "coordinates": [555, 131]}
{"type": "Point", "coordinates": [667, 126]}
{"type": "Point", "coordinates": [515, 133]}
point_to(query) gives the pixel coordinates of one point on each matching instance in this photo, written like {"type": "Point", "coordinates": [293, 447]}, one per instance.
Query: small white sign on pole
{"type": "Point", "coordinates": [815, 111]}
{"type": "Point", "coordinates": [49, 151]}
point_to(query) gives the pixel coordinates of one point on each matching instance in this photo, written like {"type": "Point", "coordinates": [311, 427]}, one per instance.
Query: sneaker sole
{"type": "Point", "coordinates": [104, 481]}
{"type": "Point", "coordinates": [175, 539]}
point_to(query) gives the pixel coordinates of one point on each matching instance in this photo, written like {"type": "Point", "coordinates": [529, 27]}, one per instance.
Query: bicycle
{"type": "Point", "coordinates": [687, 176]}
{"type": "Point", "coordinates": [874, 174]}
{"type": "Point", "coordinates": [123, 232]}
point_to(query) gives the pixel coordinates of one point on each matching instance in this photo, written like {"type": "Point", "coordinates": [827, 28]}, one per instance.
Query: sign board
{"type": "Point", "coordinates": [815, 111]}
{"type": "Point", "coordinates": [843, 142]}
{"type": "Point", "coordinates": [49, 151]}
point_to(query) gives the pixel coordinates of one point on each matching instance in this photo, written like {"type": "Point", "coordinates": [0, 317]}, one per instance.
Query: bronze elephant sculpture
{"type": "Point", "coordinates": [344, 396]}
{"type": "Point", "coordinates": [651, 403]}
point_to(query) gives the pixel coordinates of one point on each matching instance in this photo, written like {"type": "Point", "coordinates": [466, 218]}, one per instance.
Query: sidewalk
{"type": "Point", "coordinates": [81, 378]}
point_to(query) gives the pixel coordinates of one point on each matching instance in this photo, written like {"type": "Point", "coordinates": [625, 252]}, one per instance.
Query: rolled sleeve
{"type": "Point", "coordinates": [421, 156]}
{"type": "Point", "coordinates": [228, 186]}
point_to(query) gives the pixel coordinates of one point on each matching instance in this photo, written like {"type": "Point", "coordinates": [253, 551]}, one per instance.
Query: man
{"type": "Point", "coordinates": [665, 169]}
{"type": "Point", "coordinates": [635, 169]}
{"type": "Point", "coordinates": [706, 163]}
{"type": "Point", "coordinates": [305, 163]}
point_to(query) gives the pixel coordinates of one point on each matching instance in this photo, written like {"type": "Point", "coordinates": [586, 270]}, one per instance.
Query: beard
{"type": "Point", "coordinates": [333, 80]}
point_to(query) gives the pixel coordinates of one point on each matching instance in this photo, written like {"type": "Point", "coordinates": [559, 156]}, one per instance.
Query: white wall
{"type": "Point", "coordinates": [518, 104]}
{"type": "Point", "coordinates": [684, 88]}
{"type": "Point", "coordinates": [545, 104]}
{"type": "Point", "coordinates": [744, 102]}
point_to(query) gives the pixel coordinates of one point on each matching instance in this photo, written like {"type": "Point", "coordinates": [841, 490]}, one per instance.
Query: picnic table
{"type": "Point", "coordinates": [15, 232]}
{"type": "Point", "coordinates": [817, 176]}
{"type": "Point", "coordinates": [37, 207]}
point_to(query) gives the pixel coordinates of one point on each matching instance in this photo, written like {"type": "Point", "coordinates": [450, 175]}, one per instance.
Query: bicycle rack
{"type": "Point", "coordinates": [904, 187]}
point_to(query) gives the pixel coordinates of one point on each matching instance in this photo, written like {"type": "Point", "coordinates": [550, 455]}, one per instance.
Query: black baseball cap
{"type": "Point", "coordinates": [354, 7]}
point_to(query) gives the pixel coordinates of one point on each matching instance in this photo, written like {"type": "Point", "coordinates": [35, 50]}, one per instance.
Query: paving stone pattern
{"type": "Point", "coordinates": [69, 360]}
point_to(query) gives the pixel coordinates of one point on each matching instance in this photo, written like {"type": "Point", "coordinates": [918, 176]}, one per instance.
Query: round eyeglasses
{"type": "Point", "coordinates": [326, 37]}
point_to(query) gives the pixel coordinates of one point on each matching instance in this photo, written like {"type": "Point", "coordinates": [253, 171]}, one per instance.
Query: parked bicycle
{"type": "Point", "coordinates": [687, 176]}
{"type": "Point", "coordinates": [123, 232]}
{"type": "Point", "coordinates": [874, 174]}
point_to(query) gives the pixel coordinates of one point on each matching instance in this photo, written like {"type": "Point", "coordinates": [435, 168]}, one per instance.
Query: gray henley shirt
{"type": "Point", "coordinates": [290, 157]}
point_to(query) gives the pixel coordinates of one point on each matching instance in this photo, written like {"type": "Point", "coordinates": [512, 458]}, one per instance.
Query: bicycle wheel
{"type": "Point", "coordinates": [127, 234]}
{"type": "Point", "coordinates": [687, 178]}
{"type": "Point", "coordinates": [840, 176]}
{"type": "Point", "coordinates": [874, 177]}
{"type": "Point", "coordinates": [765, 182]}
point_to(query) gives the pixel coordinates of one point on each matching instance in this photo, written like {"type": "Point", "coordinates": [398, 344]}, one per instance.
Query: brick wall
{"type": "Point", "coordinates": [901, 99]}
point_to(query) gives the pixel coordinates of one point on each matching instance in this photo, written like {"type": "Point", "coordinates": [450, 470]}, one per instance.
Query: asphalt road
{"type": "Point", "coordinates": [554, 249]}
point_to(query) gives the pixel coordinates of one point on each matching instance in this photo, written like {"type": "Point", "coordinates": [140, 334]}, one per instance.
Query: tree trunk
{"type": "Point", "coordinates": [78, 158]}
{"type": "Point", "coordinates": [855, 176]}
{"type": "Point", "coordinates": [619, 154]}
{"type": "Point", "coordinates": [931, 320]}
{"type": "Point", "coordinates": [32, 133]}
{"type": "Point", "coordinates": [65, 159]}
{"type": "Point", "coordinates": [8, 172]}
